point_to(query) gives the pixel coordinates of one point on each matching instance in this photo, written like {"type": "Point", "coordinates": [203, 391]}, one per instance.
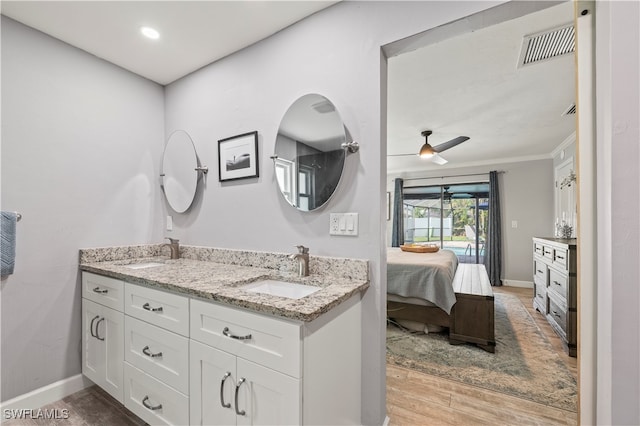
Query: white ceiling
{"type": "Point", "coordinates": [470, 85]}
{"type": "Point", "coordinates": [466, 85]}
{"type": "Point", "coordinates": [192, 33]}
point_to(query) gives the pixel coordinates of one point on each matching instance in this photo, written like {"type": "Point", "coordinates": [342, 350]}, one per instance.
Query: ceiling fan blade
{"type": "Point", "coordinates": [453, 142]}
{"type": "Point", "coordinates": [401, 155]}
{"type": "Point", "coordinates": [438, 159]}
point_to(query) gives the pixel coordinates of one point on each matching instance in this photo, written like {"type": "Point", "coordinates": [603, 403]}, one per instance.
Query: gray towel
{"type": "Point", "coordinates": [8, 242]}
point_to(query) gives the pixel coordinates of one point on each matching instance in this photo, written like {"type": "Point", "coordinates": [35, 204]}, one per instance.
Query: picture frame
{"type": "Point", "coordinates": [238, 157]}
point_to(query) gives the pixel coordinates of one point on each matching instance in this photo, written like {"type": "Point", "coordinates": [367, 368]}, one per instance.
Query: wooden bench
{"type": "Point", "coordinates": [472, 317]}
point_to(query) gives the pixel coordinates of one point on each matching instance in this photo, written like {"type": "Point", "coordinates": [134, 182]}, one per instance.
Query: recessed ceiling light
{"type": "Point", "coordinates": [150, 33]}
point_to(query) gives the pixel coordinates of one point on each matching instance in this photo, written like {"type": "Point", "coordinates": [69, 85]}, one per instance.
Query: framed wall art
{"type": "Point", "coordinates": [238, 157]}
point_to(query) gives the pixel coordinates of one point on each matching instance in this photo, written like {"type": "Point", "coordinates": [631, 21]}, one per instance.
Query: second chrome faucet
{"type": "Point", "coordinates": [303, 260]}
{"type": "Point", "coordinates": [174, 245]}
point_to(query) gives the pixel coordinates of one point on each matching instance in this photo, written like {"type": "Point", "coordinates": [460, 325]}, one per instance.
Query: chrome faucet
{"type": "Point", "coordinates": [302, 256]}
{"type": "Point", "coordinates": [174, 246]}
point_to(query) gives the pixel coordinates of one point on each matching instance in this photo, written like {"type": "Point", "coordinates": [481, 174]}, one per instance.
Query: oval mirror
{"type": "Point", "coordinates": [179, 171]}
{"type": "Point", "coordinates": [309, 156]}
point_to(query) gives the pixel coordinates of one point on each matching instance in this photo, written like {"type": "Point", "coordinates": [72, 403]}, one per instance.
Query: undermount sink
{"type": "Point", "coordinates": [281, 288]}
{"type": "Point", "coordinates": [143, 265]}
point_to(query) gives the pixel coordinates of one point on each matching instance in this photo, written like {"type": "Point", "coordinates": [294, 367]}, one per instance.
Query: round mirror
{"type": "Point", "coordinates": [309, 156]}
{"type": "Point", "coordinates": [179, 171]}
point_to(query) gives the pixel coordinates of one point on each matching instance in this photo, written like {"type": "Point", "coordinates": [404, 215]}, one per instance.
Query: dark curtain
{"type": "Point", "coordinates": [397, 236]}
{"type": "Point", "coordinates": [493, 251]}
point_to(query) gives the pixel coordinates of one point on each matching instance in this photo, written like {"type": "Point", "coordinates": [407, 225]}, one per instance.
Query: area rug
{"type": "Point", "coordinates": [524, 364]}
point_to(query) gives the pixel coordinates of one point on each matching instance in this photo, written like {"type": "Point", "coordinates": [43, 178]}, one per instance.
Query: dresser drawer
{"type": "Point", "coordinates": [158, 352]}
{"type": "Point", "coordinates": [153, 401]}
{"type": "Point", "coordinates": [540, 271]}
{"type": "Point", "coordinates": [268, 341]}
{"type": "Point", "coordinates": [166, 310]}
{"type": "Point", "coordinates": [540, 293]}
{"type": "Point", "coordinates": [560, 258]}
{"type": "Point", "coordinates": [547, 252]}
{"type": "Point", "coordinates": [558, 283]}
{"type": "Point", "coordinates": [106, 291]}
{"type": "Point", "coordinates": [558, 315]}
{"type": "Point", "coordinates": [538, 248]}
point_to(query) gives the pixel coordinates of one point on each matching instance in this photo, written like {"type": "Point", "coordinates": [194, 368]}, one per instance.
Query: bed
{"type": "Point", "coordinates": [431, 289]}
{"type": "Point", "coordinates": [420, 286]}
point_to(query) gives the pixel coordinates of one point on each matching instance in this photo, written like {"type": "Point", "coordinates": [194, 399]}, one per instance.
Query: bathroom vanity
{"type": "Point", "coordinates": [195, 341]}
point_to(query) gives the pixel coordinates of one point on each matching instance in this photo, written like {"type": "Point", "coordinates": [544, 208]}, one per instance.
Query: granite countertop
{"type": "Point", "coordinates": [220, 280]}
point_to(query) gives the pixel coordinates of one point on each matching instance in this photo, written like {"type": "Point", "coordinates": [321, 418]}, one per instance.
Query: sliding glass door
{"type": "Point", "coordinates": [454, 217]}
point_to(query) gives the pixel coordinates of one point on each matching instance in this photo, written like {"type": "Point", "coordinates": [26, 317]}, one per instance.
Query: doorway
{"type": "Point", "coordinates": [437, 203]}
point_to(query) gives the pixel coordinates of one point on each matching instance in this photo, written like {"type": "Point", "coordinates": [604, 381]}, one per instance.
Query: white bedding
{"type": "Point", "coordinates": [424, 276]}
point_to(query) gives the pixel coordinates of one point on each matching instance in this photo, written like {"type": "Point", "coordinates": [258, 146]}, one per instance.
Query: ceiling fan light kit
{"type": "Point", "coordinates": [431, 153]}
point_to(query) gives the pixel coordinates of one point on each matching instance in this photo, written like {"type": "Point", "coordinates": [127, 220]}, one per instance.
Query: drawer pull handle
{"type": "Point", "coordinates": [556, 283]}
{"type": "Point", "coordinates": [556, 314]}
{"type": "Point", "coordinates": [98, 325]}
{"type": "Point", "coordinates": [560, 257]}
{"type": "Point", "coordinates": [149, 308]}
{"type": "Point", "coordinates": [238, 412]}
{"type": "Point", "coordinates": [224, 379]}
{"type": "Point", "coordinates": [148, 353]}
{"type": "Point", "coordinates": [100, 290]}
{"type": "Point", "coordinates": [91, 326]}
{"type": "Point", "coordinates": [539, 271]}
{"type": "Point", "coordinates": [233, 336]}
{"type": "Point", "coordinates": [150, 407]}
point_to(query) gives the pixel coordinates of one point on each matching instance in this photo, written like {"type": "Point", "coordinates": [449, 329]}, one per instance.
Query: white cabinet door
{"type": "Point", "coordinates": [103, 347]}
{"type": "Point", "coordinates": [226, 390]}
{"type": "Point", "coordinates": [211, 386]}
{"type": "Point", "coordinates": [267, 397]}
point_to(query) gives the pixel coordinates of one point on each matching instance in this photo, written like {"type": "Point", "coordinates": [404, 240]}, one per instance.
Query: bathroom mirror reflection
{"type": "Point", "coordinates": [309, 156]}
{"type": "Point", "coordinates": [180, 171]}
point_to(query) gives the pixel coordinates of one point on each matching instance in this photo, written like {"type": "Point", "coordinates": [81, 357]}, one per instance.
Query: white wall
{"type": "Point", "coordinates": [81, 146]}
{"type": "Point", "coordinates": [335, 53]}
{"type": "Point", "coordinates": [531, 205]}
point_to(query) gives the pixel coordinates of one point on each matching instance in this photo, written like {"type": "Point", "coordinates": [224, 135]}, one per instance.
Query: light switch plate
{"type": "Point", "coordinates": [343, 224]}
{"type": "Point", "coordinates": [169, 223]}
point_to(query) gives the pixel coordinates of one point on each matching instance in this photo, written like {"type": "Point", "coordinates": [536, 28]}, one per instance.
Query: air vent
{"type": "Point", "coordinates": [571, 110]}
{"type": "Point", "coordinates": [547, 45]}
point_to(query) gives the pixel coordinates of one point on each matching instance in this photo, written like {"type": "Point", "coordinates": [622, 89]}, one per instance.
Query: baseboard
{"type": "Point", "coordinates": [386, 421]}
{"type": "Point", "coordinates": [47, 394]}
{"type": "Point", "coordinates": [516, 283]}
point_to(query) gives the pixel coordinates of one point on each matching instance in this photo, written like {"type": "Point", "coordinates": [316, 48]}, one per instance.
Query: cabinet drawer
{"type": "Point", "coordinates": [538, 249]}
{"type": "Point", "coordinates": [558, 283]}
{"type": "Point", "coordinates": [153, 401]}
{"type": "Point", "coordinates": [540, 271]}
{"type": "Point", "coordinates": [103, 290]}
{"type": "Point", "coordinates": [268, 341]}
{"type": "Point", "coordinates": [166, 310]}
{"type": "Point", "coordinates": [540, 295]}
{"type": "Point", "coordinates": [560, 258]}
{"type": "Point", "coordinates": [160, 353]}
{"type": "Point", "coordinates": [547, 252]}
{"type": "Point", "coordinates": [558, 314]}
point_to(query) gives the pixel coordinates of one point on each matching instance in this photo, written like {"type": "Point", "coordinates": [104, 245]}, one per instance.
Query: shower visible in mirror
{"type": "Point", "coordinates": [180, 171]}
{"type": "Point", "coordinates": [310, 152]}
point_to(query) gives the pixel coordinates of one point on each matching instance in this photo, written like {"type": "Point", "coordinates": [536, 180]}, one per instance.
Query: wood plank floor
{"type": "Point", "coordinates": [414, 398]}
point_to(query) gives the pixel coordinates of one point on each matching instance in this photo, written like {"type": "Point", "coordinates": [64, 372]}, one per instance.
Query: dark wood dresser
{"type": "Point", "coordinates": [555, 286]}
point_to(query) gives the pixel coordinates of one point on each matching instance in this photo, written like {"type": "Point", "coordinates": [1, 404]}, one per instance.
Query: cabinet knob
{"type": "Point", "coordinates": [148, 353]}
{"type": "Point", "coordinates": [148, 307]}
{"type": "Point", "coordinates": [227, 333]}
{"type": "Point", "coordinates": [149, 406]}
{"type": "Point", "coordinates": [239, 412]}
{"type": "Point", "coordinates": [224, 379]}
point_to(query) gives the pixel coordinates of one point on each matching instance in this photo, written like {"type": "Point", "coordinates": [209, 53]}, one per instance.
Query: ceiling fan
{"type": "Point", "coordinates": [432, 153]}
